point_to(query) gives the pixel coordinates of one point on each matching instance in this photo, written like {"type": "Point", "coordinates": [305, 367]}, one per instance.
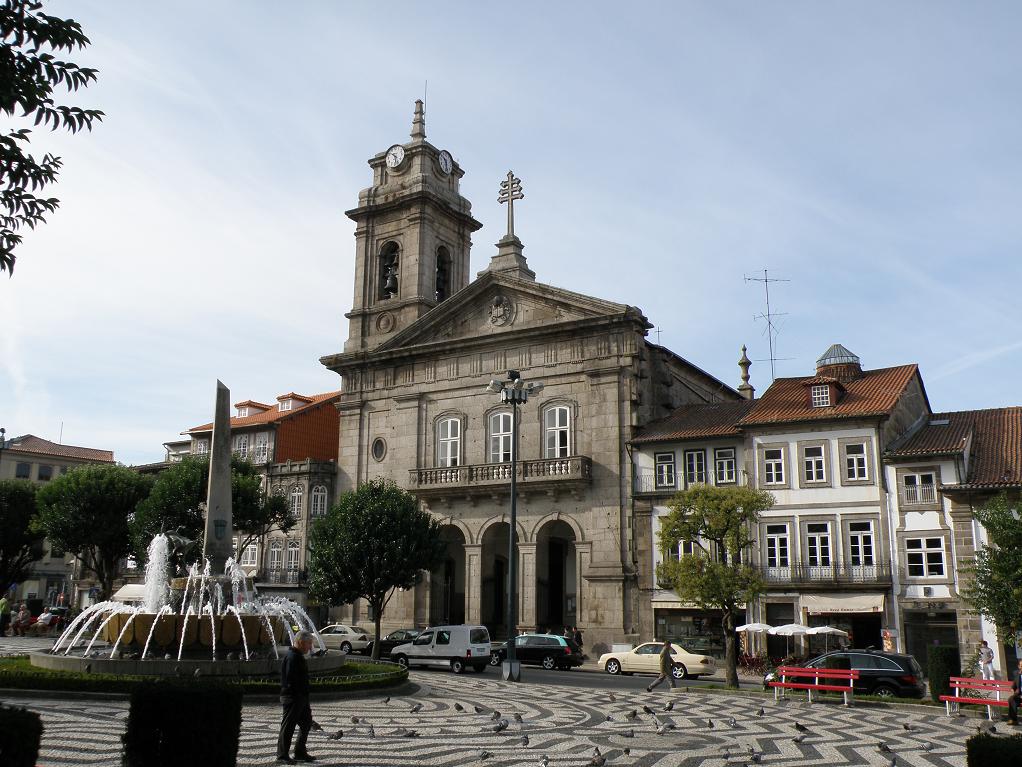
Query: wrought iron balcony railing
{"type": "Point", "coordinates": [485, 477]}
{"type": "Point", "coordinates": [283, 576]}
{"type": "Point", "coordinates": [834, 573]}
{"type": "Point", "coordinates": [918, 494]}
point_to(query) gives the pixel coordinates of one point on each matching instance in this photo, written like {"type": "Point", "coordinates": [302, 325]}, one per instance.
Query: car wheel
{"type": "Point", "coordinates": [494, 658]}
{"type": "Point", "coordinates": [883, 691]}
{"type": "Point", "coordinates": [457, 665]}
{"type": "Point", "coordinates": [346, 647]}
{"type": "Point", "coordinates": [613, 666]}
{"type": "Point", "coordinates": [549, 662]}
{"type": "Point", "coordinates": [402, 661]}
{"type": "Point", "coordinates": [678, 671]}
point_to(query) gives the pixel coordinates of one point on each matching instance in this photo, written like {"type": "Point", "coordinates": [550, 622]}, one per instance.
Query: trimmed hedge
{"type": "Point", "coordinates": [173, 722]}
{"type": "Point", "coordinates": [984, 750]}
{"type": "Point", "coordinates": [942, 663]}
{"type": "Point", "coordinates": [18, 673]}
{"type": "Point", "coordinates": [21, 731]}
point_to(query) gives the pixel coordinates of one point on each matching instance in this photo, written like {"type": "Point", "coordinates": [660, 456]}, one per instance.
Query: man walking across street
{"type": "Point", "coordinates": [986, 660]}
{"type": "Point", "coordinates": [666, 667]}
{"type": "Point", "coordinates": [294, 697]}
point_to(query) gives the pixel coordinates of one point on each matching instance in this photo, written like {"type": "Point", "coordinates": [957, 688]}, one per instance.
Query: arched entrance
{"type": "Point", "coordinates": [556, 577]}
{"type": "Point", "coordinates": [447, 582]}
{"type": "Point", "coordinates": [493, 596]}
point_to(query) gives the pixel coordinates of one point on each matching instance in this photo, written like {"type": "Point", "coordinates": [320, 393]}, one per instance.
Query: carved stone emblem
{"type": "Point", "coordinates": [502, 310]}
{"type": "Point", "coordinates": [385, 322]}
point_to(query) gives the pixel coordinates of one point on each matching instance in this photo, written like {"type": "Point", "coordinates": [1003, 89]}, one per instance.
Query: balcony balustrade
{"type": "Point", "coordinates": [649, 482]}
{"type": "Point", "coordinates": [911, 494]}
{"type": "Point", "coordinates": [836, 573]}
{"type": "Point", "coordinates": [570, 473]}
{"type": "Point", "coordinates": [283, 576]}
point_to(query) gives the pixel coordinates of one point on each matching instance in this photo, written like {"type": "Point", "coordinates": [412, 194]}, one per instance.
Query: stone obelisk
{"type": "Point", "coordinates": [217, 545]}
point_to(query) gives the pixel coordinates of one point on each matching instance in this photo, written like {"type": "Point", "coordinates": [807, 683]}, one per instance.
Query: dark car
{"type": "Point", "coordinates": [546, 650]}
{"type": "Point", "coordinates": [392, 640]}
{"type": "Point", "coordinates": [885, 674]}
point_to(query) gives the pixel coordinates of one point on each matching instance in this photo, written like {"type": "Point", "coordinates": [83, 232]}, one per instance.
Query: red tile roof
{"type": "Point", "coordinates": [292, 395]}
{"type": "Point", "coordinates": [719, 419]}
{"type": "Point", "coordinates": [29, 443]}
{"type": "Point", "coordinates": [273, 415]}
{"type": "Point", "coordinates": [874, 393]}
{"type": "Point", "coordinates": [252, 403]}
{"type": "Point", "coordinates": [995, 460]}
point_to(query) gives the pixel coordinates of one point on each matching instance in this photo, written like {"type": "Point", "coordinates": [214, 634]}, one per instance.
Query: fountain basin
{"type": "Point", "coordinates": [199, 631]}
{"type": "Point", "coordinates": [157, 666]}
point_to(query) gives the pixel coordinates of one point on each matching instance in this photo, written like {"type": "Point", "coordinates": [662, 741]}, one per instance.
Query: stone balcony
{"type": "Point", "coordinates": [549, 475]}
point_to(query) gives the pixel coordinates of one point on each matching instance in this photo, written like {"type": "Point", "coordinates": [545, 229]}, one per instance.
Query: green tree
{"type": "Point", "coordinates": [178, 492]}
{"type": "Point", "coordinates": [86, 512]}
{"type": "Point", "coordinates": [20, 543]}
{"type": "Point", "coordinates": [29, 74]}
{"type": "Point", "coordinates": [720, 522]}
{"type": "Point", "coordinates": [995, 588]}
{"type": "Point", "coordinates": [374, 540]}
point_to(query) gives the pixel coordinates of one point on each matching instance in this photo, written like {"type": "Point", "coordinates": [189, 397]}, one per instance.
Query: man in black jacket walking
{"type": "Point", "coordinates": [294, 697]}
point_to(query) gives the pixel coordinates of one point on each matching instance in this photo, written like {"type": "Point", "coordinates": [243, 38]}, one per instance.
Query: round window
{"type": "Point", "coordinates": [379, 448]}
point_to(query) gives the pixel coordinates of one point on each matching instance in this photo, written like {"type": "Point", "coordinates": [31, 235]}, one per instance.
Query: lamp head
{"type": "Point", "coordinates": [534, 388]}
{"type": "Point", "coordinates": [514, 375]}
{"type": "Point", "coordinates": [495, 386]}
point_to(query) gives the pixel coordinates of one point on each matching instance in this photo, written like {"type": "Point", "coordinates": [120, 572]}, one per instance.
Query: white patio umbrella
{"type": "Point", "coordinates": [755, 628]}
{"type": "Point", "coordinates": [826, 631]}
{"type": "Point", "coordinates": [789, 630]}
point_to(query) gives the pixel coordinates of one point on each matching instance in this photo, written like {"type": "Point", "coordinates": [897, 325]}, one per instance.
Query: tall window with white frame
{"type": "Point", "coordinates": [821, 395]}
{"type": "Point", "coordinates": [856, 465]}
{"type": "Point", "coordinates": [773, 466]}
{"type": "Point", "coordinates": [241, 445]}
{"type": "Point", "coordinates": [818, 544]}
{"type": "Point", "coordinates": [724, 465]}
{"type": "Point", "coordinates": [448, 442]}
{"type": "Point", "coordinates": [777, 549]}
{"type": "Point", "coordinates": [262, 448]}
{"type": "Point", "coordinates": [249, 555]}
{"type": "Point", "coordinates": [664, 471]}
{"type": "Point", "coordinates": [925, 557]}
{"type": "Point", "coordinates": [500, 437]}
{"type": "Point", "coordinates": [557, 428]}
{"type": "Point", "coordinates": [685, 548]}
{"type": "Point", "coordinates": [201, 447]}
{"type": "Point", "coordinates": [919, 488]}
{"type": "Point", "coordinates": [695, 467]}
{"type": "Point", "coordinates": [813, 465]}
{"type": "Point", "coordinates": [293, 550]}
{"type": "Point", "coordinates": [276, 554]}
{"type": "Point", "coordinates": [860, 543]}
{"type": "Point", "coordinates": [317, 507]}
{"type": "Point", "coordinates": [296, 501]}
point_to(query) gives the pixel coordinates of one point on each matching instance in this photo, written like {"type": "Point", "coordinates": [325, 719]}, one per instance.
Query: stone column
{"type": "Point", "coordinates": [473, 582]}
{"type": "Point", "coordinates": [217, 546]}
{"type": "Point", "coordinates": [527, 586]}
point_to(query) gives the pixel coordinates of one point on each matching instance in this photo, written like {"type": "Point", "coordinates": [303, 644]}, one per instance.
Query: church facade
{"type": "Point", "coordinates": [425, 340]}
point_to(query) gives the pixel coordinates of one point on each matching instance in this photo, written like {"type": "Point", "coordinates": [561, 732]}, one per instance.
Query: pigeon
{"type": "Point", "coordinates": [613, 697]}
{"type": "Point", "coordinates": [892, 761]}
{"type": "Point", "coordinates": [709, 724]}
{"type": "Point", "coordinates": [883, 748]}
{"type": "Point", "coordinates": [662, 729]}
{"type": "Point", "coordinates": [596, 751]}
{"type": "Point", "coordinates": [410, 734]}
{"type": "Point", "coordinates": [544, 761]}
{"type": "Point", "coordinates": [372, 731]}
{"type": "Point", "coordinates": [494, 716]}
{"type": "Point", "coordinates": [458, 707]}
{"type": "Point", "coordinates": [798, 738]}
{"type": "Point", "coordinates": [518, 717]}
{"type": "Point", "coordinates": [501, 725]}
{"type": "Point", "coordinates": [354, 720]}
{"type": "Point", "coordinates": [906, 726]}
{"type": "Point", "coordinates": [801, 727]}
{"type": "Point", "coordinates": [525, 740]}
{"type": "Point", "coordinates": [631, 714]}
{"type": "Point", "coordinates": [669, 706]}
{"type": "Point", "coordinates": [597, 761]}
{"type": "Point", "coordinates": [483, 755]}
{"type": "Point", "coordinates": [386, 700]}
{"type": "Point", "coordinates": [415, 709]}
{"type": "Point", "coordinates": [731, 722]}
{"type": "Point", "coordinates": [337, 735]}
{"type": "Point", "coordinates": [760, 712]}
{"type": "Point", "coordinates": [626, 751]}
{"type": "Point", "coordinates": [610, 718]}
{"type": "Point", "coordinates": [316, 725]}
{"type": "Point", "coordinates": [628, 734]}
{"type": "Point", "coordinates": [479, 709]}
{"type": "Point", "coordinates": [648, 710]}
{"type": "Point", "coordinates": [756, 758]}
{"type": "Point", "coordinates": [927, 747]}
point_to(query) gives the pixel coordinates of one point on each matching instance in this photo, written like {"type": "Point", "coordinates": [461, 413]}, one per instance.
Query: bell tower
{"type": "Point", "coordinates": [413, 235]}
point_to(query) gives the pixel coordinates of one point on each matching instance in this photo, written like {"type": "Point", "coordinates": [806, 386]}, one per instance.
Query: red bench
{"type": "Point", "coordinates": [961, 685]}
{"type": "Point", "coordinates": [831, 681]}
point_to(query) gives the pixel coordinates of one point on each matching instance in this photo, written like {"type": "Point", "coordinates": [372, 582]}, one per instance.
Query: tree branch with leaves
{"type": "Point", "coordinates": [20, 543]}
{"type": "Point", "coordinates": [720, 522]}
{"type": "Point", "coordinates": [995, 588]}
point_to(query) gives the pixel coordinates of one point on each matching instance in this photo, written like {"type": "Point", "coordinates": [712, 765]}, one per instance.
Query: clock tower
{"type": "Point", "coordinates": [413, 235]}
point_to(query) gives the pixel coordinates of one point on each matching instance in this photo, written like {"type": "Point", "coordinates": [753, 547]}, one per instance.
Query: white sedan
{"type": "Point", "coordinates": [645, 659]}
{"type": "Point", "coordinates": [347, 639]}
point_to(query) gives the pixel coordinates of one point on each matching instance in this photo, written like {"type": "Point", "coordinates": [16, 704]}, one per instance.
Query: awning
{"type": "Point", "coordinates": [130, 592]}
{"type": "Point", "coordinates": [825, 604]}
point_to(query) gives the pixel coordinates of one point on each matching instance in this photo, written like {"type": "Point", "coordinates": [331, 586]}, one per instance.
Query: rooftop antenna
{"type": "Point", "coordinates": [425, 88]}
{"type": "Point", "coordinates": [771, 327]}
{"type": "Point", "coordinates": [658, 335]}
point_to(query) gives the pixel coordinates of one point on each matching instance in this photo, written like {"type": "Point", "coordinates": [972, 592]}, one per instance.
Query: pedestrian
{"type": "Point", "coordinates": [1016, 697]}
{"type": "Point", "coordinates": [568, 633]}
{"type": "Point", "coordinates": [666, 666]}
{"type": "Point", "coordinates": [986, 660]}
{"type": "Point", "coordinates": [22, 621]}
{"type": "Point", "coordinates": [577, 636]}
{"type": "Point", "coordinates": [294, 698]}
{"type": "Point", "coordinates": [5, 614]}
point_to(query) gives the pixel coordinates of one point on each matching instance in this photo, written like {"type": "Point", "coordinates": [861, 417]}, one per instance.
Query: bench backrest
{"type": "Point", "coordinates": [822, 673]}
{"type": "Point", "coordinates": [969, 683]}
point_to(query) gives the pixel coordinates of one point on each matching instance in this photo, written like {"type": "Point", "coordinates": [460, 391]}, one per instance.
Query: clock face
{"type": "Point", "coordinates": [395, 156]}
{"type": "Point", "coordinates": [446, 161]}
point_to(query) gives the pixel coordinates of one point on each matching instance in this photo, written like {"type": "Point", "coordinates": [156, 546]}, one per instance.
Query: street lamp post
{"type": "Point", "coordinates": [514, 391]}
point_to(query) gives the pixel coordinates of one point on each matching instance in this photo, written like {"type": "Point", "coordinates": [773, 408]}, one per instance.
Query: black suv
{"type": "Point", "coordinates": [546, 650]}
{"type": "Point", "coordinates": [886, 674]}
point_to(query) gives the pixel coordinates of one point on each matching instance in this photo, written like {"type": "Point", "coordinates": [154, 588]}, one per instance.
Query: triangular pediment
{"type": "Point", "coordinates": [494, 304]}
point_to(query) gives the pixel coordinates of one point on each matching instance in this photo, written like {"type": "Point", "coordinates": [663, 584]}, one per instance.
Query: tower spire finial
{"type": "Point", "coordinates": [745, 388]}
{"type": "Point", "coordinates": [419, 121]}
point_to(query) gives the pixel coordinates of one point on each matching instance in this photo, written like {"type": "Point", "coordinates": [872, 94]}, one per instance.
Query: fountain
{"type": "Point", "coordinates": [209, 621]}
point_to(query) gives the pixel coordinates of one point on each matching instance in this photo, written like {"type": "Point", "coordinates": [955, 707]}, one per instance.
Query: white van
{"type": "Point", "coordinates": [454, 646]}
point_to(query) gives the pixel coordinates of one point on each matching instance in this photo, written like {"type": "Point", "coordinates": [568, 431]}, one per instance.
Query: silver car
{"type": "Point", "coordinates": [347, 639]}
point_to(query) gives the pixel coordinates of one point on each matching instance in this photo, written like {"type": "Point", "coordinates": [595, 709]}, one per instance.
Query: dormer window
{"type": "Point", "coordinates": [284, 405]}
{"type": "Point", "coordinates": [243, 412]}
{"type": "Point", "coordinates": [820, 394]}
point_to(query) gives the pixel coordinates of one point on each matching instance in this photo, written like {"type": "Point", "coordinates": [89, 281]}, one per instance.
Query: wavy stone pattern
{"type": "Point", "coordinates": [564, 723]}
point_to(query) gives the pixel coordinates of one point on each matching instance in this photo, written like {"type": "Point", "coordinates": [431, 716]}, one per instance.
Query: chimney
{"type": "Point", "coordinates": [837, 362]}
{"type": "Point", "coordinates": [745, 388]}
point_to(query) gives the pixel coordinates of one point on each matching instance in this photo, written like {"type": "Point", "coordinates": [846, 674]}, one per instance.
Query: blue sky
{"type": "Point", "coordinates": [868, 152]}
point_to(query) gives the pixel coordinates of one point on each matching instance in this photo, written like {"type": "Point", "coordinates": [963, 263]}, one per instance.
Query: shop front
{"type": "Point", "coordinates": [858, 615]}
{"type": "Point", "coordinates": [697, 631]}
{"type": "Point", "coordinates": [927, 627]}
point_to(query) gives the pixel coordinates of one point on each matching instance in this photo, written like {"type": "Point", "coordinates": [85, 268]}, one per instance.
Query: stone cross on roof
{"type": "Point", "coordinates": [510, 190]}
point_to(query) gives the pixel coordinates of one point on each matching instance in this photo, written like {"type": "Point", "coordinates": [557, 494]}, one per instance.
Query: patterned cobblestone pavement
{"type": "Point", "coordinates": [564, 724]}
